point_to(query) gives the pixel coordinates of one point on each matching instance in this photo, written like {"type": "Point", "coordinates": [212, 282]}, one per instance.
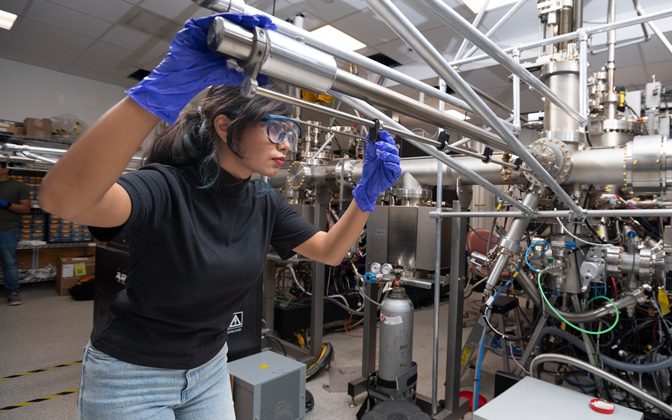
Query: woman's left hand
{"type": "Point", "coordinates": [381, 170]}
{"type": "Point", "coordinates": [190, 66]}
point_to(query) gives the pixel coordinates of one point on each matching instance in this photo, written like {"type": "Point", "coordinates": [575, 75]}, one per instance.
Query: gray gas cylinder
{"type": "Point", "coordinates": [396, 334]}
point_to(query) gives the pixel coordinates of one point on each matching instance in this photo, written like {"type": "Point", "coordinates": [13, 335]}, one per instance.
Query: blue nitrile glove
{"type": "Point", "coordinates": [381, 170]}
{"type": "Point", "coordinates": [189, 67]}
{"type": "Point", "coordinates": [4, 204]}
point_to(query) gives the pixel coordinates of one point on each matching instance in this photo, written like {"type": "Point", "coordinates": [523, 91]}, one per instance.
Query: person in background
{"type": "Point", "coordinates": [14, 201]}
{"type": "Point", "coordinates": [198, 227]}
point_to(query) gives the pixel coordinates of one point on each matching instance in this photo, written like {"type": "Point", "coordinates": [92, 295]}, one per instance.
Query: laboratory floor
{"type": "Point", "coordinates": [48, 332]}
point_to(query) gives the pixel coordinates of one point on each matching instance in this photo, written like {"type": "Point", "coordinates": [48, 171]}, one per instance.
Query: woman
{"type": "Point", "coordinates": [198, 228]}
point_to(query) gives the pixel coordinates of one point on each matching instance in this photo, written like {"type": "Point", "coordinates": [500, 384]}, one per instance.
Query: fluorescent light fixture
{"type": "Point", "coordinates": [477, 5]}
{"type": "Point", "coordinates": [457, 114]}
{"type": "Point", "coordinates": [333, 36]}
{"type": "Point", "coordinates": [6, 20]}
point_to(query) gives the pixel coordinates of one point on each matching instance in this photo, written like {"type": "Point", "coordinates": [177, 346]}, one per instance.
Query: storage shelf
{"type": "Point", "coordinates": [58, 245]}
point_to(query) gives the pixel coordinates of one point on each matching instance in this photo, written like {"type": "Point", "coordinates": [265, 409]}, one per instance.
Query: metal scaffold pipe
{"type": "Point", "coordinates": [349, 56]}
{"type": "Point", "coordinates": [414, 38]}
{"type": "Point", "coordinates": [486, 45]}
{"type": "Point", "coordinates": [364, 107]}
{"type": "Point", "coordinates": [542, 214]}
{"type": "Point", "coordinates": [301, 65]}
{"type": "Point", "coordinates": [538, 361]}
{"type": "Point", "coordinates": [574, 35]}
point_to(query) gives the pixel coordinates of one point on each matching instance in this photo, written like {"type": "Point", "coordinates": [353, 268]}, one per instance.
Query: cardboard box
{"type": "Point", "coordinates": [7, 127]}
{"type": "Point", "coordinates": [39, 128]}
{"type": "Point", "coordinates": [70, 270]}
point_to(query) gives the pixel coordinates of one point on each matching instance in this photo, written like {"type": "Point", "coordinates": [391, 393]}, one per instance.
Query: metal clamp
{"type": "Point", "coordinates": [443, 139]}
{"type": "Point", "coordinates": [487, 153]}
{"type": "Point", "coordinates": [261, 49]}
{"type": "Point", "coordinates": [373, 132]}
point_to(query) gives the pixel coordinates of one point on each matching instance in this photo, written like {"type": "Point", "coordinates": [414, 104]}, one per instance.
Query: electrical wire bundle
{"type": "Point", "coordinates": [321, 363]}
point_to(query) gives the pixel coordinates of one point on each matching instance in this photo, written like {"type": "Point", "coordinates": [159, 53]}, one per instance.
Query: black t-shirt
{"type": "Point", "coordinates": [194, 253]}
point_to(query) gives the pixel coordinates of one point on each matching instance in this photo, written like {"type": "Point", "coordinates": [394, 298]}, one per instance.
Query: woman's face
{"type": "Point", "coordinates": [259, 154]}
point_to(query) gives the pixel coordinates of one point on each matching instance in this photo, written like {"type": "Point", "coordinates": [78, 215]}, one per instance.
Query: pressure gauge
{"type": "Point", "coordinates": [375, 268]}
{"type": "Point", "coordinates": [386, 269]}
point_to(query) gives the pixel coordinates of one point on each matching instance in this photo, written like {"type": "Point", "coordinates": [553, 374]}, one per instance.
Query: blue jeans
{"type": "Point", "coordinates": [113, 389]}
{"type": "Point", "coordinates": [10, 272]}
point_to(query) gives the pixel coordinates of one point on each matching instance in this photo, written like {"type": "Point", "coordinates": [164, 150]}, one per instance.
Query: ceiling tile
{"type": "Point", "coordinates": [285, 10]}
{"type": "Point", "coordinates": [125, 37]}
{"type": "Point", "coordinates": [526, 15]}
{"type": "Point", "coordinates": [66, 18]}
{"type": "Point", "coordinates": [366, 27]}
{"type": "Point", "coordinates": [159, 49]}
{"type": "Point", "coordinates": [167, 8]}
{"type": "Point", "coordinates": [109, 10]}
{"type": "Point", "coordinates": [488, 78]}
{"type": "Point", "coordinates": [266, 6]}
{"type": "Point", "coordinates": [398, 51]}
{"type": "Point", "coordinates": [148, 63]}
{"type": "Point", "coordinates": [654, 51]}
{"type": "Point", "coordinates": [106, 66]}
{"type": "Point", "coordinates": [93, 75]}
{"type": "Point", "coordinates": [445, 40]}
{"type": "Point", "coordinates": [32, 59]}
{"type": "Point", "coordinates": [330, 11]}
{"type": "Point", "coordinates": [14, 6]}
{"type": "Point", "coordinates": [107, 51]}
{"type": "Point", "coordinates": [49, 41]}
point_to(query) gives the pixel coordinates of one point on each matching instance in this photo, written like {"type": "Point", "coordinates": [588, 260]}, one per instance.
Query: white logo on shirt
{"type": "Point", "coordinates": [236, 324]}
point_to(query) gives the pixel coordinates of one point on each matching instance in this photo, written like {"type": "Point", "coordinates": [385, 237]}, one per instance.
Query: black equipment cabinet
{"type": "Point", "coordinates": [244, 335]}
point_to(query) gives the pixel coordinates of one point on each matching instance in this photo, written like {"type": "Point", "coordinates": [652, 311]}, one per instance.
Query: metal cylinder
{"type": "Point", "coordinates": [396, 334]}
{"type": "Point", "coordinates": [511, 240]}
{"type": "Point", "coordinates": [302, 65]}
{"type": "Point", "coordinates": [289, 60]}
{"type": "Point", "coordinates": [598, 166]}
{"type": "Point", "coordinates": [648, 165]}
{"type": "Point", "coordinates": [563, 79]}
{"type": "Point", "coordinates": [565, 25]}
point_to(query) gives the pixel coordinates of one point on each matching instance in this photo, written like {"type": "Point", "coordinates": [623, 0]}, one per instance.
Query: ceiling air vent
{"type": "Point", "coordinates": [139, 74]}
{"type": "Point", "coordinates": [384, 60]}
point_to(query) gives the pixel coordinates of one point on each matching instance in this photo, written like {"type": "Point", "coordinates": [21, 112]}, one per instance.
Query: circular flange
{"type": "Point", "coordinates": [554, 156]}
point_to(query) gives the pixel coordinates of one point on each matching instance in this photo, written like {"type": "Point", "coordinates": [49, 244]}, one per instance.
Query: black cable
{"type": "Point", "coordinates": [277, 340]}
{"type": "Point", "coordinates": [588, 138]}
{"type": "Point", "coordinates": [310, 401]}
{"type": "Point", "coordinates": [524, 336]}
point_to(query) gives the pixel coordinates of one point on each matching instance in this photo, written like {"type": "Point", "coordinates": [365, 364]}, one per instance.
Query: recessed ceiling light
{"type": "Point", "coordinates": [457, 114]}
{"type": "Point", "coordinates": [477, 5]}
{"type": "Point", "coordinates": [6, 20]}
{"type": "Point", "coordinates": [333, 36]}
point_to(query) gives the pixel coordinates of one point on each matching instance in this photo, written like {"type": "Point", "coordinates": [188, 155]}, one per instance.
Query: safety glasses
{"type": "Point", "coordinates": [280, 129]}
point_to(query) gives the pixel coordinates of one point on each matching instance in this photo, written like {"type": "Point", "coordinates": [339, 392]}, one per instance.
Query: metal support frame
{"type": "Point", "coordinates": [475, 23]}
{"type": "Point", "coordinates": [498, 25]}
{"type": "Point", "coordinates": [583, 73]}
{"type": "Point", "coordinates": [457, 22]}
{"type": "Point", "coordinates": [573, 35]}
{"type": "Point", "coordinates": [442, 157]}
{"type": "Point", "coordinates": [349, 56]}
{"type": "Point", "coordinates": [453, 410]}
{"type": "Point", "coordinates": [560, 213]}
{"type": "Point", "coordinates": [322, 197]}
{"type": "Point", "coordinates": [516, 93]}
{"type": "Point", "coordinates": [399, 23]}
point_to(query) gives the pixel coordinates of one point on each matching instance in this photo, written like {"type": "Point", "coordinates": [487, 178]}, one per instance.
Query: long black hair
{"type": "Point", "coordinates": [193, 140]}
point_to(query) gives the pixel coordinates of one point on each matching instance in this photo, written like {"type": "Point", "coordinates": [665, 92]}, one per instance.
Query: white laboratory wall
{"type": "Point", "coordinates": [31, 91]}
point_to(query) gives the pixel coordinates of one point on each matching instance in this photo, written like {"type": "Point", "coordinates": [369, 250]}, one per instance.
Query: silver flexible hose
{"type": "Point", "coordinates": [553, 357]}
{"type": "Point", "coordinates": [616, 364]}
